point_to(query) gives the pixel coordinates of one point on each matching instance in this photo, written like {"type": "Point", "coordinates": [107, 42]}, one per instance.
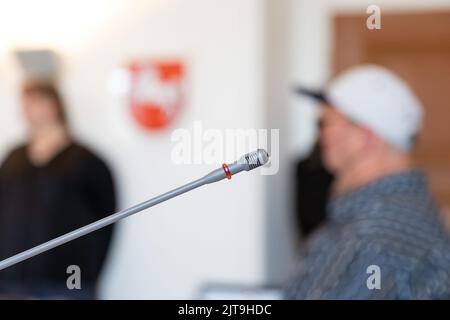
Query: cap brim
{"type": "Point", "coordinates": [316, 95]}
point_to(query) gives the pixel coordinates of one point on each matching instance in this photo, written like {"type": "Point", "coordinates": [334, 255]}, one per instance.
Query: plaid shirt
{"type": "Point", "coordinates": [392, 223]}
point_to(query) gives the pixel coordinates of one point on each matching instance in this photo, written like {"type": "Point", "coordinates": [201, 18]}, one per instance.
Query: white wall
{"type": "Point", "coordinates": [211, 235]}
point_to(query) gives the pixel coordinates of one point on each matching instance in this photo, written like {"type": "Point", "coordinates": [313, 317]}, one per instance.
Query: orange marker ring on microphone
{"type": "Point", "coordinates": [227, 171]}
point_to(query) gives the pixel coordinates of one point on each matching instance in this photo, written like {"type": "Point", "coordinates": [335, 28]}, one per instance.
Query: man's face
{"type": "Point", "coordinates": [342, 141]}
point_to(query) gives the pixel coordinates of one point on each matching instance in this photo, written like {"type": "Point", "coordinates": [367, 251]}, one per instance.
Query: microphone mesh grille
{"type": "Point", "coordinates": [253, 160]}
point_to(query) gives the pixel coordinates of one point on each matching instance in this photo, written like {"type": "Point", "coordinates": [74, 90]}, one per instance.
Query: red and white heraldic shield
{"type": "Point", "coordinates": [156, 93]}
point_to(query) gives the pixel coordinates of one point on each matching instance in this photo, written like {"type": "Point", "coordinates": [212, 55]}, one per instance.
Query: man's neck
{"type": "Point", "coordinates": [46, 142]}
{"type": "Point", "coordinates": [368, 171]}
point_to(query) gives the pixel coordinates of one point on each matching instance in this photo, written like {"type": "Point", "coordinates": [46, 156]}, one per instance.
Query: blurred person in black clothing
{"type": "Point", "coordinates": [313, 185]}
{"type": "Point", "coordinates": [49, 186]}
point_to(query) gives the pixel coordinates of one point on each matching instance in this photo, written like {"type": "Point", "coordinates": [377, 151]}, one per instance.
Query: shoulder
{"type": "Point", "coordinates": [15, 158]}
{"type": "Point", "coordinates": [85, 153]}
{"type": "Point", "coordinates": [90, 161]}
{"type": "Point", "coordinates": [18, 151]}
{"type": "Point", "coordinates": [412, 218]}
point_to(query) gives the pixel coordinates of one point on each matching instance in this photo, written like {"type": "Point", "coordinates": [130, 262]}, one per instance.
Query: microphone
{"type": "Point", "coordinates": [247, 162]}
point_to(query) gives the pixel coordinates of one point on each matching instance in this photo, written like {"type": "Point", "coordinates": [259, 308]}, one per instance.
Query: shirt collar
{"type": "Point", "coordinates": [352, 204]}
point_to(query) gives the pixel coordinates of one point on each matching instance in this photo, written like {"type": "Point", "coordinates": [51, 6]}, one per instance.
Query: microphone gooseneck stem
{"type": "Point", "coordinates": [246, 163]}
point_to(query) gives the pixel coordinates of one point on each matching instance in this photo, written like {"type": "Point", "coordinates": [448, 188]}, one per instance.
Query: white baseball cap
{"type": "Point", "coordinates": [375, 98]}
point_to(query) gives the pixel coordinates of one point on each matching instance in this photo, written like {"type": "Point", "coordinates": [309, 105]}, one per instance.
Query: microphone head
{"type": "Point", "coordinates": [247, 162]}
{"type": "Point", "coordinates": [254, 159]}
